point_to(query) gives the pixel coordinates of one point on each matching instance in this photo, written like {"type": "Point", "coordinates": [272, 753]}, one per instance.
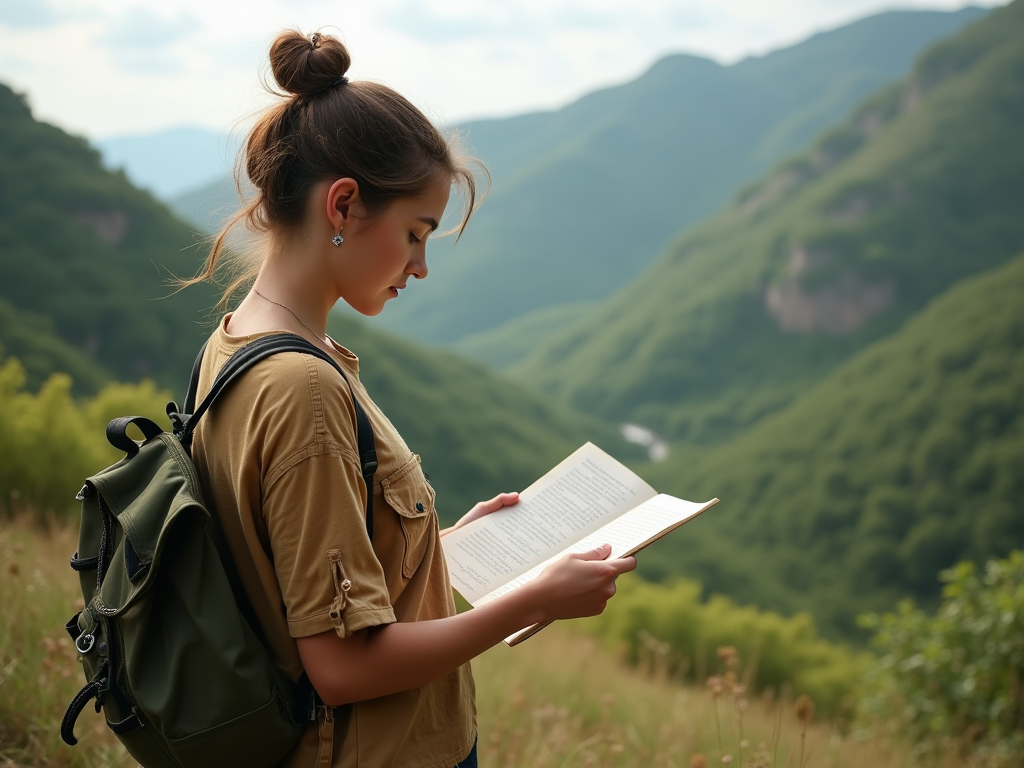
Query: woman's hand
{"type": "Point", "coordinates": [579, 584]}
{"type": "Point", "coordinates": [500, 501]}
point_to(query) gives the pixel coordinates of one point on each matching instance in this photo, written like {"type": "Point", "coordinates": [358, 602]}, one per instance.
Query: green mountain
{"type": "Point", "coordinates": [209, 206]}
{"type": "Point", "coordinates": [585, 198]}
{"type": "Point", "coordinates": [906, 459]}
{"type": "Point", "coordinates": [498, 348]}
{"type": "Point", "coordinates": [33, 339]}
{"type": "Point", "coordinates": [173, 161]}
{"type": "Point", "coordinates": [835, 249]}
{"type": "Point", "coordinates": [84, 249]}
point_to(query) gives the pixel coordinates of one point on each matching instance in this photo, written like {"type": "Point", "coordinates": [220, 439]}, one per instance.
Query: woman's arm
{"type": "Point", "coordinates": [396, 657]}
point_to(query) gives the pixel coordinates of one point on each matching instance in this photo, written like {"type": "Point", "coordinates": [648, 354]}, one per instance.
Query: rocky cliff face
{"type": "Point", "coordinates": [838, 308]}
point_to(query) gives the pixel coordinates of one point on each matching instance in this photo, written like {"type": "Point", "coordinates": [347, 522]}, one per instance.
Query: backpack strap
{"type": "Point", "coordinates": [244, 359]}
{"type": "Point", "coordinates": [305, 701]}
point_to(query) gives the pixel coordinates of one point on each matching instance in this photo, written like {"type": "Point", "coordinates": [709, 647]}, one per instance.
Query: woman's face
{"type": "Point", "coordinates": [382, 252]}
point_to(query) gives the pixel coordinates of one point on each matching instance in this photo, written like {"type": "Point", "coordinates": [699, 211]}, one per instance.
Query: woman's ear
{"type": "Point", "coordinates": [342, 196]}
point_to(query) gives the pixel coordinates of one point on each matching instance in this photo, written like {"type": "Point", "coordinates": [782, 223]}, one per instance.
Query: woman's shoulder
{"type": "Point", "coordinates": [305, 380]}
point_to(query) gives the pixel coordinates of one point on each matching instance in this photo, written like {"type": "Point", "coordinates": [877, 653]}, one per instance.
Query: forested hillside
{"type": "Point", "coordinates": [85, 260]}
{"type": "Point", "coordinates": [832, 251]}
{"type": "Point", "coordinates": [905, 460]}
{"type": "Point", "coordinates": [587, 196]}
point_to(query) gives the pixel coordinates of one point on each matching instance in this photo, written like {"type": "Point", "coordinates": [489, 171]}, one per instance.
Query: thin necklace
{"type": "Point", "coordinates": [282, 306]}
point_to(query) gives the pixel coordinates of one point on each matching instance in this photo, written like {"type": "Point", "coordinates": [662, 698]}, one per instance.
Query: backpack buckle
{"type": "Point", "coordinates": [178, 422]}
{"type": "Point", "coordinates": [85, 642]}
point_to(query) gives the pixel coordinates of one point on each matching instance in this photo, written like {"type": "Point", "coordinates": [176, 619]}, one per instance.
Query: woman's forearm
{"type": "Point", "coordinates": [396, 657]}
{"type": "Point", "coordinates": [403, 655]}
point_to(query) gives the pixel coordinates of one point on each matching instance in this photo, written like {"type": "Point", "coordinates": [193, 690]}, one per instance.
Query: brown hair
{"type": "Point", "coordinates": [325, 128]}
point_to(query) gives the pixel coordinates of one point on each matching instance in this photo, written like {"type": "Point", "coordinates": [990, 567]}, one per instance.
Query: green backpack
{"type": "Point", "coordinates": [172, 655]}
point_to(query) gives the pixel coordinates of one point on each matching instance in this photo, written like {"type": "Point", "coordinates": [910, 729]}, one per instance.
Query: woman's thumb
{"type": "Point", "coordinates": [600, 553]}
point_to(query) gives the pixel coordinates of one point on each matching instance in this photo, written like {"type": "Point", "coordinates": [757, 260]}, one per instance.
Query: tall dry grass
{"type": "Point", "coordinates": [561, 700]}
{"type": "Point", "coordinates": [39, 669]}
{"type": "Point", "coordinates": [556, 701]}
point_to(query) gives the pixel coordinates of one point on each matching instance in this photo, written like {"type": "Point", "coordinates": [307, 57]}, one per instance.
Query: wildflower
{"type": "Point", "coordinates": [804, 711]}
{"type": "Point", "coordinates": [715, 686]}
{"type": "Point", "coordinates": [698, 761]}
{"type": "Point", "coordinates": [729, 656]}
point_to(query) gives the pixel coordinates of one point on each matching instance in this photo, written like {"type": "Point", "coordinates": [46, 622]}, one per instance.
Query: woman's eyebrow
{"type": "Point", "coordinates": [428, 220]}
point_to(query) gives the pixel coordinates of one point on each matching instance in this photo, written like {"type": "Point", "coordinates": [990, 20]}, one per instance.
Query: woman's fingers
{"type": "Point", "coordinates": [621, 564]}
{"type": "Point", "coordinates": [598, 553]}
{"type": "Point", "coordinates": [500, 501]}
{"type": "Point", "coordinates": [483, 508]}
{"type": "Point", "coordinates": [581, 583]}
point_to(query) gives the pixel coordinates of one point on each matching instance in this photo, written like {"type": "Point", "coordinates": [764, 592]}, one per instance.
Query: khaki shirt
{"type": "Point", "coordinates": [278, 460]}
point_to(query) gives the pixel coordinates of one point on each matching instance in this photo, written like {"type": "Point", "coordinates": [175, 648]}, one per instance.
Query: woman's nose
{"type": "Point", "coordinates": [418, 267]}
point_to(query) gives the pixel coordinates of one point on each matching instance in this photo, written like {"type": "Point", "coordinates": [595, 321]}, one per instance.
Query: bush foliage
{"type": "Point", "coordinates": [50, 442]}
{"type": "Point", "coordinates": [953, 680]}
{"type": "Point", "coordinates": [670, 626]}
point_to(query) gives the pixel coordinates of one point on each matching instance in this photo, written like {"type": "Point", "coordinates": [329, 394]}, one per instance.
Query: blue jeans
{"type": "Point", "coordinates": [470, 761]}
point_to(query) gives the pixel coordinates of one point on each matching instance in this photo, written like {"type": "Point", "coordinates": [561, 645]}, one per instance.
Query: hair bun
{"type": "Point", "coordinates": [306, 65]}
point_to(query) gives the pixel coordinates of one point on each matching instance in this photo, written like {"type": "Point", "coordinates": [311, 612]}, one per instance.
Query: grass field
{"type": "Point", "coordinates": [557, 700]}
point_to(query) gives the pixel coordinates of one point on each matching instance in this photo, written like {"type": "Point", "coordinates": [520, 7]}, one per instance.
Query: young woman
{"type": "Point", "coordinates": [350, 181]}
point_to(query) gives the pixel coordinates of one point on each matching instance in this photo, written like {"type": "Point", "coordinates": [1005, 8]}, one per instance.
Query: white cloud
{"type": "Point", "coordinates": [124, 66]}
{"type": "Point", "coordinates": [146, 29]}
{"type": "Point", "coordinates": [141, 40]}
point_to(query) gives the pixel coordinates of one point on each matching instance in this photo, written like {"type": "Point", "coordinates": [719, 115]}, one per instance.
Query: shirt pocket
{"type": "Point", "coordinates": [412, 497]}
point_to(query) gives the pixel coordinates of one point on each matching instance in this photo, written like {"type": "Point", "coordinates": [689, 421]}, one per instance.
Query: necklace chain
{"type": "Point", "coordinates": [282, 306]}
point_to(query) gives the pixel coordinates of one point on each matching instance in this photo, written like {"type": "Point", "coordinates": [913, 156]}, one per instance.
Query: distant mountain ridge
{"type": "Point", "coordinates": [836, 248]}
{"type": "Point", "coordinates": [587, 196]}
{"type": "Point", "coordinates": [171, 162]}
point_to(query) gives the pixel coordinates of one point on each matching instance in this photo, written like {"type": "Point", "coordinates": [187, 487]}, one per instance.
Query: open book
{"type": "Point", "coordinates": [588, 500]}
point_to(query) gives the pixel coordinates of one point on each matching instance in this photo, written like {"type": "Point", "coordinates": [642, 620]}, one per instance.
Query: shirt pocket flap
{"type": "Point", "coordinates": [412, 497]}
{"type": "Point", "coordinates": [408, 492]}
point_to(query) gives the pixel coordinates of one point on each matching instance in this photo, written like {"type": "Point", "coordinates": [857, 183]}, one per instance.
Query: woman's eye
{"type": "Point", "coordinates": [413, 239]}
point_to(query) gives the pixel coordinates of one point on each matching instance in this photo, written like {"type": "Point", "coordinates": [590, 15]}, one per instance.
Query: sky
{"type": "Point", "coordinates": [104, 68]}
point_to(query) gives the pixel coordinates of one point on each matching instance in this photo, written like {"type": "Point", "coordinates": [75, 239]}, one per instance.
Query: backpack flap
{"type": "Point", "coordinates": [143, 498]}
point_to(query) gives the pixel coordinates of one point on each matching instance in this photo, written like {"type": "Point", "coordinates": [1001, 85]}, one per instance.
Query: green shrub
{"type": "Point", "coordinates": [50, 442]}
{"type": "Point", "coordinates": [953, 681]}
{"type": "Point", "coordinates": [671, 621]}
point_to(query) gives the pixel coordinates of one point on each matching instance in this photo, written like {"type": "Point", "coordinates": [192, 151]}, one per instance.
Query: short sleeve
{"type": "Point", "coordinates": [328, 573]}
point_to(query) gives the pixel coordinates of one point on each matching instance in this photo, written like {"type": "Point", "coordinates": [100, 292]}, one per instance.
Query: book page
{"type": "Point", "coordinates": [627, 535]}
{"type": "Point", "coordinates": [584, 492]}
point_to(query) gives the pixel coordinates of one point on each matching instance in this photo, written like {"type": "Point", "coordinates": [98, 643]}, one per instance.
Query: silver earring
{"type": "Point", "coordinates": [338, 239]}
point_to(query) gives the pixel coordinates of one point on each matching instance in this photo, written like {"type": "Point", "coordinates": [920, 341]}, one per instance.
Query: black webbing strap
{"type": "Point", "coordinates": [91, 691]}
{"type": "Point", "coordinates": [185, 423]}
{"type": "Point", "coordinates": [117, 434]}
